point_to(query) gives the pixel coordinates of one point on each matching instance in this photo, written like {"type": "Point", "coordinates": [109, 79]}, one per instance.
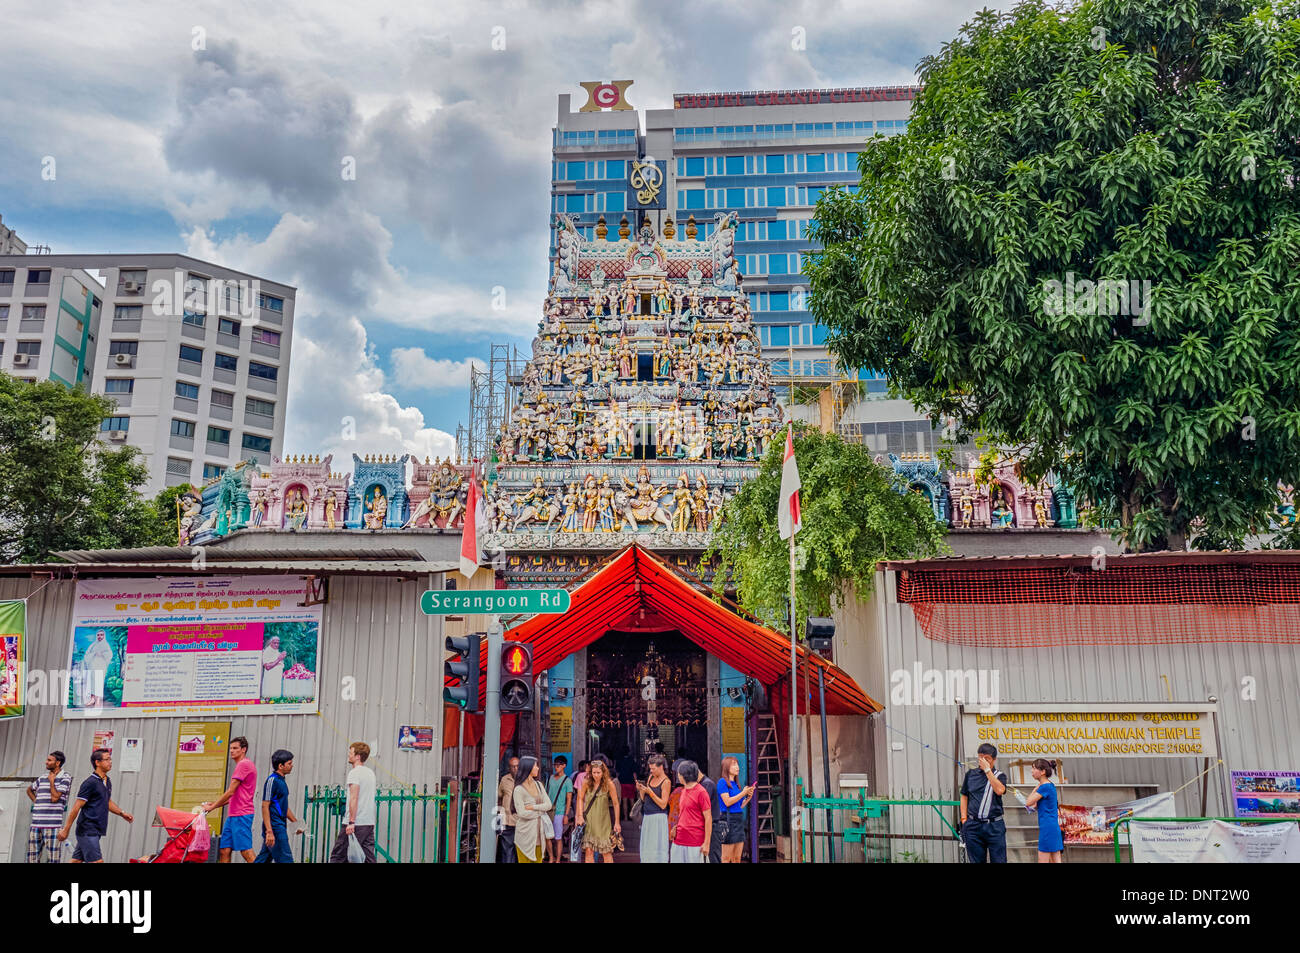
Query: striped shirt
{"type": "Point", "coordinates": [47, 813]}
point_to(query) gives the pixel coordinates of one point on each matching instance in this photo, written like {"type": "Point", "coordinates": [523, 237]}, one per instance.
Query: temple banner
{"type": "Point", "coordinates": [193, 646]}
{"type": "Point", "coordinates": [13, 626]}
{"type": "Point", "coordinates": [1214, 842]}
{"type": "Point", "coordinates": [1142, 730]}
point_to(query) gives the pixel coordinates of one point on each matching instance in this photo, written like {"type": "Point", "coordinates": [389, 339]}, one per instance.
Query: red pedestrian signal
{"type": "Point", "coordinates": [516, 676]}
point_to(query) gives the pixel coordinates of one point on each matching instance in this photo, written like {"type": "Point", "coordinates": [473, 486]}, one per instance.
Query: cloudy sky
{"type": "Point", "coordinates": [220, 130]}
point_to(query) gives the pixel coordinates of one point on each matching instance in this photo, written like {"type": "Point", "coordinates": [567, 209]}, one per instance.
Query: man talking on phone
{"type": "Point", "coordinates": [982, 826]}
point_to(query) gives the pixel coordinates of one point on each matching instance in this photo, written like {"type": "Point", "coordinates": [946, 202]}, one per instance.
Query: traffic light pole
{"type": "Point", "coordinates": [487, 831]}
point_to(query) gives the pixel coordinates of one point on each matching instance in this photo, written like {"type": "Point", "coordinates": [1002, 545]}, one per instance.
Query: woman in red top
{"type": "Point", "coordinates": [694, 827]}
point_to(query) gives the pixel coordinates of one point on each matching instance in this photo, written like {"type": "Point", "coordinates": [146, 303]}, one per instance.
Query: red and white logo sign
{"type": "Point", "coordinates": [606, 95]}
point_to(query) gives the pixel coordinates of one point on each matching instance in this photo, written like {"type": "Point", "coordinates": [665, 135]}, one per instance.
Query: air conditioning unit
{"type": "Point", "coordinates": [117, 435]}
{"type": "Point", "coordinates": [21, 360]}
{"type": "Point", "coordinates": [131, 286]}
{"type": "Point", "coordinates": [124, 360]}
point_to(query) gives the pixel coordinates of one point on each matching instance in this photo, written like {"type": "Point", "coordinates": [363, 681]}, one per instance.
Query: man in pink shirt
{"type": "Point", "coordinates": [237, 834]}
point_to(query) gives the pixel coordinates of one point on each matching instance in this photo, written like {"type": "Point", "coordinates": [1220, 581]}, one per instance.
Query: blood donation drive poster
{"type": "Point", "coordinates": [197, 645]}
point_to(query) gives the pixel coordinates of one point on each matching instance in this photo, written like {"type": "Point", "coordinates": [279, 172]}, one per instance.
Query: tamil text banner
{"type": "Point", "coordinates": [192, 646]}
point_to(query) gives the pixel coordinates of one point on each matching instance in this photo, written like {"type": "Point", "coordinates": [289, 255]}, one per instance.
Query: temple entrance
{"type": "Point", "coordinates": [646, 692]}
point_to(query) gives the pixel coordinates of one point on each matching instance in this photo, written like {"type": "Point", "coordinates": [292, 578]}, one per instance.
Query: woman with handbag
{"type": "Point", "coordinates": [597, 803]}
{"type": "Point", "coordinates": [653, 800]}
{"type": "Point", "coordinates": [532, 808]}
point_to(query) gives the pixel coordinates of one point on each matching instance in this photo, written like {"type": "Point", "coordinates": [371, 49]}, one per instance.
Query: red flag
{"type": "Point", "coordinates": [469, 555]}
{"type": "Point", "coordinates": [787, 515]}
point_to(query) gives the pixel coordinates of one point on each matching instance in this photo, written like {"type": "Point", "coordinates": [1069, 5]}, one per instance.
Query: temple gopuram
{"type": "Point", "coordinates": [644, 407]}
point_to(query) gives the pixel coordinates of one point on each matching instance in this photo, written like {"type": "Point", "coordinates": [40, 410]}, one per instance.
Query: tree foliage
{"type": "Point", "coordinates": [854, 513]}
{"type": "Point", "coordinates": [1126, 140]}
{"type": "Point", "coordinates": [60, 487]}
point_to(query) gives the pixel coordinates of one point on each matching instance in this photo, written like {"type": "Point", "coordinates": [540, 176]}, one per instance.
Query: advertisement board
{"type": "Point", "coordinates": [13, 625]}
{"type": "Point", "coordinates": [192, 646]}
{"type": "Point", "coordinates": [1266, 793]}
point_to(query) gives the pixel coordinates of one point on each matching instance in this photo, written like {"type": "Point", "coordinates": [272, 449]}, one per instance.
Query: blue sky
{"type": "Point", "coordinates": [218, 130]}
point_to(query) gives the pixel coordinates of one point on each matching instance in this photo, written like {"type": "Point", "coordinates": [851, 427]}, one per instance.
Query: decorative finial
{"type": "Point", "coordinates": [601, 228]}
{"type": "Point", "coordinates": [691, 228]}
{"type": "Point", "coordinates": [624, 230]}
{"type": "Point", "coordinates": [669, 228]}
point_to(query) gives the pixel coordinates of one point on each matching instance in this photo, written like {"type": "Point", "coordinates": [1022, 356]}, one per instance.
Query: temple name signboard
{"type": "Point", "coordinates": [1103, 730]}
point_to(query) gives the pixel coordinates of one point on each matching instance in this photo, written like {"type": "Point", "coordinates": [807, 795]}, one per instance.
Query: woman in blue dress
{"type": "Point", "coordinates": [1044, 802]}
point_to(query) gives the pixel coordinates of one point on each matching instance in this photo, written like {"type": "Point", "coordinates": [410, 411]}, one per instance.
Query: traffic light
{"type": "Point", "coordinates": [516, 676]}
{"type": "Point", "coordinates": [463, 668]}
{"type": "Point", "coordinates": [820, 632]}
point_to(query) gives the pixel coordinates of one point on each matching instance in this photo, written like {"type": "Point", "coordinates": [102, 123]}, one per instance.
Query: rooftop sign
{"type": "Point", "coordinates": [795, 97]}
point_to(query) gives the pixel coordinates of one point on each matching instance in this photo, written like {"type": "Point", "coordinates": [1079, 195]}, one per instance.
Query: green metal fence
{"type": "Point", "coordinates": [880, 831]}
{"type": "Point", "coordinates": [1126, 824]}
{"type": "Point", "coordinates": [411, 826]}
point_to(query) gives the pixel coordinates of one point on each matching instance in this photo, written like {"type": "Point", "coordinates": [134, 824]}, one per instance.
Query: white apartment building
{"type": "Point", "coordinates": [196, 355]}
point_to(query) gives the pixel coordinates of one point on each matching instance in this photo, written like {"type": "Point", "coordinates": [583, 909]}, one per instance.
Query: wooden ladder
{"type": "Point", "coordinates": [767, 773]}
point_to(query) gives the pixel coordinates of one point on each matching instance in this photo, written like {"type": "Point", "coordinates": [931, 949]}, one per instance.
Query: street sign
{"type": "Point", "coordinates": [494, 601]}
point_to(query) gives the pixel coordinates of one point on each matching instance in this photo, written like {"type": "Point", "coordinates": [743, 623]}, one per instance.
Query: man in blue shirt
{"type": "Point", "coordinates": [982, 826]}
{"type": "Point", "coordinates": [275, 812]}
{"type": "Point", "coordinates": [90, 812]}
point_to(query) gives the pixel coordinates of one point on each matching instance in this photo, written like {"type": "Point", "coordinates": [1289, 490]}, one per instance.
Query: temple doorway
{"type": "Point", "coordinates": [646, 692]}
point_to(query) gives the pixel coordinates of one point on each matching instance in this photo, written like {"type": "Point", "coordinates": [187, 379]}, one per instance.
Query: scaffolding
{"type": "Point", "coordinates": [492, 396]}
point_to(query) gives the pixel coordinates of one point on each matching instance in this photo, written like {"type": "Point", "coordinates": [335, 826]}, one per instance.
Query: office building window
{"type": "Point", "coordinates": [33, 312]}
{"type": "Point", "coordinates": [266, 337]}
{"type": "Point", "coordinates": [194, 354]}
{"type": "Point", "coordinates": [6, 276]}
{"type": "Point", "coordinates": [264, 407]}
{"type": "Point", "coordinates": [253, 442]}
{"type": "Point", "coordinates": [115, 423]}
{"type": "Point", "coordinates": [129, 312]}
{"type": "Point", "coordinates": [4, 312]}
{"type": "Point", "coordinates": [119, 385]}
{"type": "Point", "coordinates": [735, 198]}
{"type": "Point", "coordinates": [38, 276]}
{"type": "Point", "coordinates": [29, 347]}
{"type": "Point", "coordinates": [227, 326]}
{"type": "Point", "coordinates": [182, 428]}
{"type": "Point", "coordinates": [227, 362]}
{"type": "Point", "coordinates": [212, 471]}
{"type": "Point", "coordinates": [222, 398]}
{"type": "Point", "coordinates": [123, 347]}
{"type": "Point", "coordinates": [195, 318]}
{"type": "Point", "coordinates": [218, 435]}
{"type": "Point", "coordinates": [735, 165]}
{"type": "Point", "coordinates": [190, 391]}
{"type": "Point", "coordinates": [270, 302]}
{"type": "Point", "coordinates": [815, 162]}
{"type": "Point", "coordinates": [264, 371]}
{"type": "Point", "coordinates": [178, 467]}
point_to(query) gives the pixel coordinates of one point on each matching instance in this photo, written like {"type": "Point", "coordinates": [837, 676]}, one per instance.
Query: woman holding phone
{"type": "Point", "coordinates": [654, 811]}
{"type": "Point", "coordinates": [733, 798]}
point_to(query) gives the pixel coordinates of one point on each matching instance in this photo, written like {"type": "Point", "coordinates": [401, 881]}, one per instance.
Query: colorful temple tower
{"type": "Point", "coordinates": [645, 405]}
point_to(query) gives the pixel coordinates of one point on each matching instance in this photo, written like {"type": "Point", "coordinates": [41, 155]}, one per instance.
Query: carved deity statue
{"type": "Point", "coordinates": [376, 509]}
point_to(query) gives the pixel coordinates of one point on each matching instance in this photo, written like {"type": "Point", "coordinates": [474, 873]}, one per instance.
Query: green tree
{"type": "Point", "coordinates": [854, 513]}
{"type": "Point", "coordinates": [60, 487]}
{"type": "Point", "coordinates": [1124, 140]}
{"type": "Point", "coordinates": [164, 515]}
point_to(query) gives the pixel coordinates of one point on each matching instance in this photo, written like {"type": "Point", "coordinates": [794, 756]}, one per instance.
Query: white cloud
{"type": "Point", "coordinates": [415, 370]}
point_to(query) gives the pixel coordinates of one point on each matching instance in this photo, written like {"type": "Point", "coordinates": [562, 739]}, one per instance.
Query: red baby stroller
{"type": "Point", "coordinates": [189, 838]}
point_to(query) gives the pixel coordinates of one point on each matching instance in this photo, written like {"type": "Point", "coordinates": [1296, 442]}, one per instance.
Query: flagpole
{"type": "Point", "coordinates": [794, 708]}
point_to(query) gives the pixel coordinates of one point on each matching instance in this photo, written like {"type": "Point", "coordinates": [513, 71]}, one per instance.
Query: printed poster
{"type": "Point", "coordinates": [192, 646]}
{"type": "Point", "coordinates": [733, 730]}
{"type": "Point", "coordinates": [415, 738]}
{"type": "Point", "coordinates": [102, 738]}
{"type": "Point", "coordinates": [200, 774]}
{"type": "Point", "coordinates": [561, 728]}
{"type": "Point", "coordinates": [1266, 793]}
{"type": "Point", "coordinates": [1215, 842]}
{"type": "Point", "coordinates": [13, 624]}
{"type": "Point", "coordinates": [1093, 826]}
{"type": "Point", "coordinates": [132, 755]}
